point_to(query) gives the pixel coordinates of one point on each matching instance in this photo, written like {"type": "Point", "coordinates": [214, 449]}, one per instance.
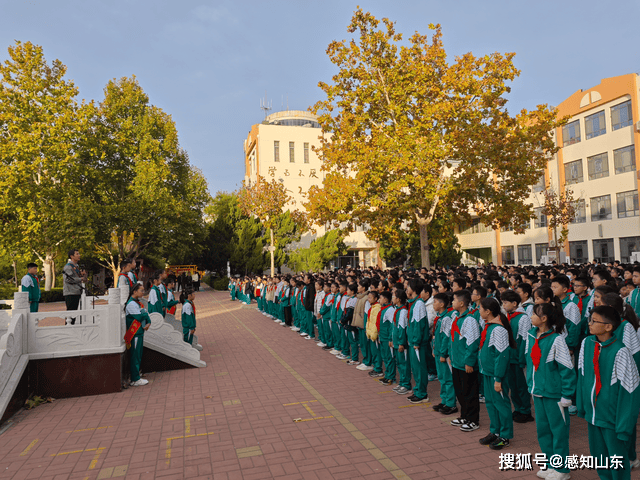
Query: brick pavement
{"type": "Point", "coordinates": [234, 419]}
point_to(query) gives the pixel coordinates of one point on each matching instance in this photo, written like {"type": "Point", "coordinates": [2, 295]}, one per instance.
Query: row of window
{"type": "Point", "coordinates": [292, 151]}
{"type": "Point", "coordinates": [603, 251]}
{"type": "Point", "coordinates": [595, 124]}
{"type": "Point", "coordinates": [626, 202]}
{"type": "Point", "coordinates": [624, 160]}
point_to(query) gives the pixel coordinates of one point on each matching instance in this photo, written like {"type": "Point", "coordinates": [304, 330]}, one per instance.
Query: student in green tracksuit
{"type": "Point", "coordinates": [372, 322]}
{"type": "Point", "coordinates": [386, 338]}
{"type": "Point", "coordinates": [30, 283]}
{"type": "Point", "coordinates": [551, 380]}
{"type": "Point", "coordinates": [188, 315]}
{"type": "Point", "coordinates": [441, 345]}
{"type": "Point", "coordinates": [419, 341]}
{"type": "Point", "coordinates": [496, 343]}
{"type": "Point", "coordinates": [155, 302]}
{"type": "Point", "coordinates": [634, 298]}
{"type": "Point", "coordinates": [345, 350]}
{"type": "Point", "coordinates": [134, 311]}
{"type": "Point", "coordinates": [401, 343]}
{"type": "Point", "coordinates": [325, 313]}
{"type": "Point", "coordinates": [338, 292]}
{"type": "Point", "coordinates": [232, 288]}
{"type": "Point", "coordinates": [520, 326]}
{"type": "Point", "coordinates": [171, 301]}
{"type": "Point", "coordinates": [608, 396]}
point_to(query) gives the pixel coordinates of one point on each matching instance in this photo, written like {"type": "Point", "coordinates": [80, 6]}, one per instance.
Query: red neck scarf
{"type": "Point", "coordinates": [536, 353]}
{"type": "Point", "coordinates": [483, 336]}
{"type": "Point", "coordinates": [596, 365]}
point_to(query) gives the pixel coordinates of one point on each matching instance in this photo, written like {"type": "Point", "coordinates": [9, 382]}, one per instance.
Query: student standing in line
{"type": "Point", "coordinates": [401, 343]}
{"type": "Point", "coordinates": [441, 345]}
{"type": "Point", "coordinates": [386, 338]}
{"type": "Point", "coordinates": [608, 397]}
{"type": "Point", "coordinates": [31, 284]}
{"type": "Point", "coordinates": [552, 382]}
{"type": "Point", "coordinates": [155, 304]}
{"type": "Point", "coordinates": [465, 340]}
{"type": "Point", "coordinates": [134, 337]}
{"type": "Point", "coordinates": [188, 315]}
{"type": "Point", "coordinates": [373, 334]}
{"type": "Point", "coordinates": [419, 341]}
{"type": "Point", "coordinates": [496, 344]}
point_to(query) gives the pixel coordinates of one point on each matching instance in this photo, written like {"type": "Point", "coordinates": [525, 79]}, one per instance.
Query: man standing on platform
{"type": "Point", "coordinates": [73, 279]}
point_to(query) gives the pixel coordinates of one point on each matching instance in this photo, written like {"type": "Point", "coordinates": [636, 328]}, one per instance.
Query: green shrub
{"type": "Point", "coordinates": [53, 295]}
{"type": "Point", "coordinates": [221, 283]}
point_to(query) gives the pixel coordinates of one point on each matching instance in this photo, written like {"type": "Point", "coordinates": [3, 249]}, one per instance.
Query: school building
{"type": "Point", "coordinates": [281, 148]}
{"type": "Point", "coordinates": [598, 160]}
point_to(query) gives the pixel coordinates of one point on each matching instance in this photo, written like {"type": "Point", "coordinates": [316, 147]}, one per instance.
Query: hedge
{"type": "Point", "coordinates": [54, 295]}
{"type": "Point", "coordinates": [220, 283]}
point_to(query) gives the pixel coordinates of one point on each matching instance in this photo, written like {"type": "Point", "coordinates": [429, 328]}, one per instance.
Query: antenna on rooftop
{"type": "Point", "coordinates": [265, 105]}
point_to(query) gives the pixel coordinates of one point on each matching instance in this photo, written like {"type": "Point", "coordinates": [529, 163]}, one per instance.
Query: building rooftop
{"type": "Point", "coordinates": [293, 118]}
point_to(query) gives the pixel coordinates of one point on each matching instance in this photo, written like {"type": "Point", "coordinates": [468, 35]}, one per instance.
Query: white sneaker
{"type": "Point", "coordinates": [362, 366]}
{"type": "Point", "coordinates": [308, 337]}
{"type": "Point", "coordinates": [334, 352]}
{"type": "Point", "coordinates": [558, 476]}
{"type": "Point", "coordinates": [635, 463]}
{"type": "Point", "coordinates": [303, 334]}
{"type": "Point", "coordinates": [277, 320]}
{"type": "Point", "coordinates": [367, 368]}
{"type": "Point", "coordinates": [295, 329]}
{"type": "Point", "coordinates": [545, 473]}
{"type": "Point", "coordinates": [139, 383]}
{"type": "Point", "coordinates": [320, 344]}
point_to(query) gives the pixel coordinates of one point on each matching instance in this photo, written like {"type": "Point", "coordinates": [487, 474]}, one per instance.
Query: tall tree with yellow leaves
{"type": "Point", "coordinates": [406, 133]}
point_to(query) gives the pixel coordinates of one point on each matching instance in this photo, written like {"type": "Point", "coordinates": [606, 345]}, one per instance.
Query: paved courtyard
{"type": "Point", "coordinates": [269, 404]}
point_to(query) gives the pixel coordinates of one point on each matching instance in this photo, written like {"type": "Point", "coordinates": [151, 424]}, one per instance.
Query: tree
{"type": "Point", "coordinates": [321, 251]}
{"type": "Point", "coordinates": [43, 206]}
{"type": "Point", "coordinates": [406, 133]}
{"type": "Point", "coordinates": [266, 201]}
{"type": "Point", "coordinates": [248, 248]}
{"type": "Point", "coordinates": [560, 211]}
{"type": "Point", "coordinates": [443, 244]}
{"type": "Point", "coordinates": [146, 194]}
{"type": "Point", "coordinates": [287, 229]}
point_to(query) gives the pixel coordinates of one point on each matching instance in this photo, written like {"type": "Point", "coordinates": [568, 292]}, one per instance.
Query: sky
{"type": "Point", "coordinates": [209, 63]}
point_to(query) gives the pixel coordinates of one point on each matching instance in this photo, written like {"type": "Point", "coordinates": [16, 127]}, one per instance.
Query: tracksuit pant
{"type": "Point", "coordinates": [467, 386]}
{"type": "Point", "coordinates": [499, 408]}
{"type": "Point", "coordinates": [447, 392]}
{"type": "Point", "coordinates": [518, 389]}
{"type": "Point", "coordinates": [388, 357]}
{"type": "Point", "coordinates": [418, 358]}
{"type": "Point", "coordinates": [552, 425]}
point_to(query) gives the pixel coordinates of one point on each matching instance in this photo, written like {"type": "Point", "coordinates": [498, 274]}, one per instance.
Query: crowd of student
{"type": "Point", "coordinates": [566, 336]}
{"type": "Point", "coordinates": [160, 300]}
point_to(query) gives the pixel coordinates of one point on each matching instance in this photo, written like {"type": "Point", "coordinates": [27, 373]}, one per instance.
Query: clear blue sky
{"type": "Point", "coordinates": [209, 63]}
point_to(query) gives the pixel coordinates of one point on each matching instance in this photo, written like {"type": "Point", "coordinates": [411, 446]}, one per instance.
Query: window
{"type": "Point", "coordinates": [624, 159]}
{"type": "Point", "coordinates": [600, 208]}
{"type": "Point", "coordinates": [573, 172]}
{"type": "Point", "coordinates": [276, 151]}
{"type": "Point", "coordinates": [292, 153]}
{"type": "Point", "coordinates": [621, 115]}
{"type": "Point", "coordinates": [524, 255]}
{"type": "Point", "coordinates": [603, 250]}
{"type": "Point", "coordinates": [594, 125]}
{"type": "Point", "coordinates": [540, 219]}
{"type": "Point", "coordinates": [538, 187]}
{"type": "Point", "coordinates": [598, 166]}
{"type": "Point", "coordinates": [581, 212]}
{"type": "Point", "coordinates": [306, 153]}
{"type": "Point", "coordinates": [541, 250]}
{"type": "Point", "coordinates": [571, 133]}
{"type": "Point", "coordinates": [628, 245]}
{"type": "Point", "coordinates": [579, 251]}
{"type": "Point", "coordinates": [507, 256]}
{"type": "Point", "coordinates": [474, 227]}
{"type": "Point", "coordinates": [627, 204]}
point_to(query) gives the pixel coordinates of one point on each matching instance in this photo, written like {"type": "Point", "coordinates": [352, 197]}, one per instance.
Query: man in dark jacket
{"type": "Point", "coordinates": [309, 297]}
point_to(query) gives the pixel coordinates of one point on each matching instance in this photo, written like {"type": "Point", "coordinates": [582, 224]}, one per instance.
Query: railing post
{"type": "Point", "coordinates": [115, 320]}
{"type": "Point", "coordinates": [21, 306]}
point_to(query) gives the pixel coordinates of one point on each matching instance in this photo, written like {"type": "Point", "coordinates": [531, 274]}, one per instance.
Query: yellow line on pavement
{"type": "Point", "coordinates": [311, 419]}
{"type": "Point", "coordinates": [378, 454]}
{"type": "Point", "coordinates": [298, 403]}
{"type": "Point", "coordinates": [26, 450]}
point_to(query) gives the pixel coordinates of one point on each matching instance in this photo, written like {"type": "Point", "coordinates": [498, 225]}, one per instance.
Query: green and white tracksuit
{"type": "Point", "coordinates": [134, 311]}
{"type": "Point", "coordinates": [608, 399]}
{"type": "Point", "coordinates": [493, 359]}
{"type": "Point", "coordinates": [155, 302]}
{"type": "Point", "coordinates": [520, 326]}
{"type": "Point", "coordinates": [550, 378]}
{"type": "Point", "coordinates": [30, 284]}
{"type": "Point", "coordinates": [441, 345]}
{"type": "Point", "coordinates": [419, 344]}
{"type": "Point", "coordinates": [400, 320]}
{"type": "Point", "coordinates": [386, 335]}
{"type": "Point", "coordinates": [188, 321]}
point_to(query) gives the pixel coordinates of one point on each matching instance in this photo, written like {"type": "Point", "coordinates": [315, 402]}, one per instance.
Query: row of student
{"type": "Point", "coordinates": [162, 301]}
{"type": "Point", "coordinates": [476, 340]}
{"type": "Point", "coordinates": [242, 289]}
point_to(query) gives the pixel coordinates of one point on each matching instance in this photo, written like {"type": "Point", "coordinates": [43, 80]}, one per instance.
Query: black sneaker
{"type": "Point", "coordinates": [499, 444]}
{"type": "Point", "coordinates": [411, 397]}
{"type": "Point", "coordinates": [326, 347]}
{"type": "Point", "coordinates": [458, 422]}
{"type": "Point", "coordinates": [469, 427]}
{"type": "Point", "coordinates": [386, 382]}
{"type": "Point", "coordinates": [489, 439]}
{"type": "Point", "coordinates": [448, 410]}
{"type": "Point", "coordinates": [416, 399]}
{"type": "Point", "coordinates": [374, 374]}
{"type": "Point", "coordinates": [522, 418]}
{"type": "Point", "coordinates": [438, 407]}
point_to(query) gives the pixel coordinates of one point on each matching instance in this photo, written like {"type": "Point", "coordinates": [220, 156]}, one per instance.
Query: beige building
{"type": "Point", "coordinates": [598, 161]}
{"type": "Point", "coordinates": [281, 148]}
